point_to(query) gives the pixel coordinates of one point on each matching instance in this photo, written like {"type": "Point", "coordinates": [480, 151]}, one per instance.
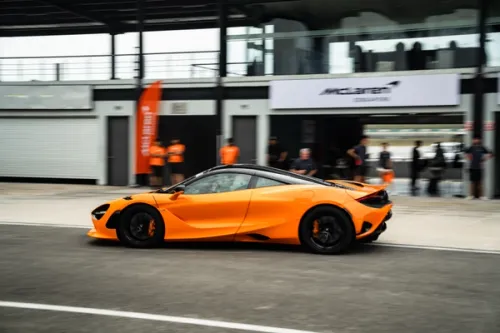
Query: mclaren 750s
{"type": "Point", "coordinates": [249, 203]}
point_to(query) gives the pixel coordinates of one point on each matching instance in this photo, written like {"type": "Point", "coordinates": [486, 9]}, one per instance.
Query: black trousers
{"type": "Point", "coordinates": [414, 174]}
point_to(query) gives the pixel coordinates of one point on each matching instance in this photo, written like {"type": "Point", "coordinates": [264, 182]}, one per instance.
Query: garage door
{"type": "Point", "coordinates": [49, 148]}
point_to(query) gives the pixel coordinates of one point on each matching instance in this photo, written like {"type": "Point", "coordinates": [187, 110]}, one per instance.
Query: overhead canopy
{"type": "Point", "coordinates": [60, 17]}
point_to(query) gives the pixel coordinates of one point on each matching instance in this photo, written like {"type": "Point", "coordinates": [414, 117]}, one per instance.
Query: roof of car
{"type": "Point", "coordinates": [270, 172]}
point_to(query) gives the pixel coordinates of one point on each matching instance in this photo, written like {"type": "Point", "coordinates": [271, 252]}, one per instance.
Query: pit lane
{"type": "Point", "coordinates": [373, 289]}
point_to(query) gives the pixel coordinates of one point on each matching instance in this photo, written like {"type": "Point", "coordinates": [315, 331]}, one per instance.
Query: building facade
{"type": "Point", "coordinates": [93, 139]}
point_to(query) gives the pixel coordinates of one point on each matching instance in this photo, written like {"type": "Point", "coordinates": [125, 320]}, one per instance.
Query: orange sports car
{"type": "Point", "coordinates": [249, 203]}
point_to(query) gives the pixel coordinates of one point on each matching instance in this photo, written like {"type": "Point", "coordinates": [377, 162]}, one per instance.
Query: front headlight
{"type": "Point", "coordinates": [100, 211]}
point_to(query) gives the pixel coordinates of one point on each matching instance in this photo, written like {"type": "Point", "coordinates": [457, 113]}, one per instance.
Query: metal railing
{"type": "Point", "coordinates": [204, 64]}
{"type": "Point", "coordinates": [171, 65]}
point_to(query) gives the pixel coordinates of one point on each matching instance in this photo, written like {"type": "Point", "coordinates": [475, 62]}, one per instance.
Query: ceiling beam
{"type": "Point", "coordinates": [85, 30]}
{"type": "Point", "coordinates": [113, 26]}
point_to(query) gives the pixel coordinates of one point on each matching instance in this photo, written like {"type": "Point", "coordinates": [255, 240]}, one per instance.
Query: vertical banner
{"type": "Point", "coordinates": [146, 126]}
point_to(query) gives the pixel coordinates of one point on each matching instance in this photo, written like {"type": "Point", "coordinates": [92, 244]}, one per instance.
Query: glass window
{"type": "Point", "coordinates": [219, 183]}
{"type": "Point", "coordinates": [265, 182]}
{"type": "Point", "coordinates": [375, 39]}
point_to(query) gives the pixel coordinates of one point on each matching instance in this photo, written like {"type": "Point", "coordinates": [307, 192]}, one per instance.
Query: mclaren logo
{"type": "Point", "coordinates": [370, 94]}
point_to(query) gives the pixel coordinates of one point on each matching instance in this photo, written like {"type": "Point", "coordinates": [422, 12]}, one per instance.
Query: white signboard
{"type": "Point", "coordinates": [367, 92]}
{"type": "Point", "coordinates": [46, 97]}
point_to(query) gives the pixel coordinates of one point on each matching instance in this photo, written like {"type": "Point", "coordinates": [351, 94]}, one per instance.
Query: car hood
{"type": "Point", "coordinates": [358, 190]}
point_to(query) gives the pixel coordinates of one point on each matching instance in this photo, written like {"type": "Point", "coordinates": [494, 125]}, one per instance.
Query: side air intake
{"type": "Point", "coordinates": [258, 237]}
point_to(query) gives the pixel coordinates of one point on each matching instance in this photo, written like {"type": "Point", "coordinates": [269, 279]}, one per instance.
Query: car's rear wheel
{"type": "Point", "coordinates": [326, 230]}
{"type": "Point", "coordinates": [141, 226]}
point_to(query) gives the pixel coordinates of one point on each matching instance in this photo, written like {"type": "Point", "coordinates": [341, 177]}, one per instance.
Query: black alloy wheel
{"type": "Point", "coordinates": [326, 230]}
{"type": "Point", "coordinates": [141, 226]}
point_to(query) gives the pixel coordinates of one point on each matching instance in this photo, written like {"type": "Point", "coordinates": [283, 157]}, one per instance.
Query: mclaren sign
{"type": "Point", "coordinates": [421, 90]}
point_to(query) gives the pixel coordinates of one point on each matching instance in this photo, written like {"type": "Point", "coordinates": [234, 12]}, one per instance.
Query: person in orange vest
{"type": "Point", "coordinates": [175, 154]}
{"type": "Point", "coordinates": [157, 163]}
{"type": "Point", "coordinates": [230, 153]}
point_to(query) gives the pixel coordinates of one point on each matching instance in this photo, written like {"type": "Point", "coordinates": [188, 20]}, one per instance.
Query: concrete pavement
{"type": "Point", "coordinates": [372, 290]}
{"type": "Point", "coordinates": [424, 221]}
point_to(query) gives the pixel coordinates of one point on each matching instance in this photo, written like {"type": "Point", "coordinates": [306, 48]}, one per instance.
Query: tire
{"type": "Point", "coordinates": [129, 220]}
{"type": "Point", "coordinates": [333, 218]}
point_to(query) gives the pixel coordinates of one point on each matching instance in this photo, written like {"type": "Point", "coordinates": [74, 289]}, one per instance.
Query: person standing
{"type": "Point", "coordinates": [385, 166]}
{"type": "Point", "coordinates": [175, 154]}
{"type": "Point", "coordinates": [437, 165]}
{"type": "Point", "coordinates": [415, 166]}
{"type": "Point", "coordinates": [230, 153]}
{"type": "Point", "coordinates": [359, 154]}
{"type": "Point", "coordinates": [304, 165]}
{"type": "Point", "coordinates": [157, 163]}
{"type": "Point", "coordinates": [477, 154]}
{"type": "Point", "coordinates": [276, 154]}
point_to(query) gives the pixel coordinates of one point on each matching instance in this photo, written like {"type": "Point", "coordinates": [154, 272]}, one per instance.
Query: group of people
{"type": "Point", "coordinates": [476, 155]}
{"type": "Point", "coordinates": [277, 157]}
{"type": "Point", "coordinates": [159, 156]}
{"type": "Point", "coordinates": [173, 157]}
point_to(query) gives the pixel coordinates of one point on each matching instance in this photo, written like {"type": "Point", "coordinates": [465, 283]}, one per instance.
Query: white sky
{"type": "Point", "coordinates": [176, 65]}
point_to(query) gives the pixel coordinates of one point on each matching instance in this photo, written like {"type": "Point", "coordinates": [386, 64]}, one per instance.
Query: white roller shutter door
{"type": "Point", "coordinates": [49, 148]}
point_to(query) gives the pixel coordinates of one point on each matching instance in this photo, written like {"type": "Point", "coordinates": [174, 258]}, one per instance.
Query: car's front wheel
{"type": "Point", "coordinates": [141, 226]}
{"type": "Point", "coordinates": [326, 230]}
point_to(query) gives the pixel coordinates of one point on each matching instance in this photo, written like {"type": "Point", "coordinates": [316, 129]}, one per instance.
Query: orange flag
{"type": "Point", "coordinates": [146, 125]}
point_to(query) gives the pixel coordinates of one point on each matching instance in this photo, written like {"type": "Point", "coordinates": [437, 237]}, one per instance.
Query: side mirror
{"type": "Point", "coordinates": [178, 190]}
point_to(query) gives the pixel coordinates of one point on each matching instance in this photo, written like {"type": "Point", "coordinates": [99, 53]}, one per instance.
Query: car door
{"type": "Point", "coordinates": [213, 206]}
{"type": "Point", "coordinates": [271, 212]}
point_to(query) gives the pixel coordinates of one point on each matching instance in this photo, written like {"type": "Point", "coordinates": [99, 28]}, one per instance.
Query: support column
{"type": "Point", "coordinates": [113, 56]}
{"type": "Point", "coordinates": [141, 179]}
{"type": "Point", "coordinates": [222, 73]}
{"type": "Point", "coordinates": [478, 106]}
{"type": "Point", "coordinates": [319, 55]}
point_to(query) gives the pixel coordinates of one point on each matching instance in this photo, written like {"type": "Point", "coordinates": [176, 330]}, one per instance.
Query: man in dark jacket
{"type": "Point", "coordinates": [477, 154]}
{"type": "Point", "coordinates": [415, 166]}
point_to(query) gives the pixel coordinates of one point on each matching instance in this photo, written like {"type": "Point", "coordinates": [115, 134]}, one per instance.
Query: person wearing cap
{"type": "Point", "coordinates": [175, 154]}
{"type": "Point", "coordinates": [276, 154]}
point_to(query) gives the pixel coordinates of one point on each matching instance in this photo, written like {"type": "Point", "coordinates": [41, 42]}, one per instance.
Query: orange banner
{"type": "Point", "coordinates": [146, 125]}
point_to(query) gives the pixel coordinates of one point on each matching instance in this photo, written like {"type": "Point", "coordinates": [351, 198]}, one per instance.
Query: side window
{"type": "Point", "coordinates": [265, 182]}
{"type": "Point", "coordinates": [219, 183]}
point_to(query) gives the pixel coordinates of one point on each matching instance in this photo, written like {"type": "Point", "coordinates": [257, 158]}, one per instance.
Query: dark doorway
{"type": "Point", "coordinates": [118, 151]}
{"type": "Point", "coordinates": [245, 137]}
{"type": "Point", "coordinates": [198, 133]}
{"type": "Point", "coordinates": [496, 151]}
{"type": "Point", "coordinates": [325, 135]}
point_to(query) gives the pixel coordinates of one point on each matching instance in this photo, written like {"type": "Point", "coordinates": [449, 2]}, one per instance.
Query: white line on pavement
{"type": "Point", "coordinates": [149, 316]}
{"type": "Point", "coordinates": [396, 245]}
{"type": "Point", "coordinates": [436, 248]}
{"type": "Point", "coordinates": [53, 225]}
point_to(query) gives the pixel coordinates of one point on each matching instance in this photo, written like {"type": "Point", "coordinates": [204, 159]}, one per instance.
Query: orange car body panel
{"type": "Point", "coordinates": [274, 213]}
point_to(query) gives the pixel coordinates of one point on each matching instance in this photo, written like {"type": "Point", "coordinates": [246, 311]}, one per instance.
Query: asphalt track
{"type": "Point", "coordinates": [373, 289]}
